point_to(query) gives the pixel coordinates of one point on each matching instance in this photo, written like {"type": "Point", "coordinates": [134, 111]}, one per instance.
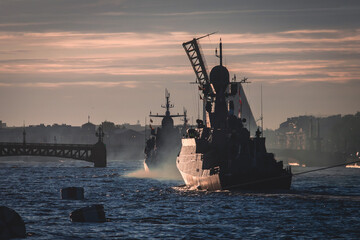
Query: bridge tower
{"type": "Point", "coordinates": [24, 136]}
{"type": "Point", "coordinates": [99, 151]}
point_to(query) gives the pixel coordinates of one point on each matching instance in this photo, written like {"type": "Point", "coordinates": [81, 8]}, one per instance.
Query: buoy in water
{"type": "Point", "coordinates": [11, 224]}
{"type": "Point", "coordinates": [94, 213]}
{"type": "Point", "coordinates": [72, 193]}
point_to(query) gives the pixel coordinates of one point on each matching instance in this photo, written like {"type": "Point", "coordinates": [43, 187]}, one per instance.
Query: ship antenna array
{"type": "Point", "coordinates": [244, 80]}
{"type": "Point", "coordinates": [261, 117]}
{"type": "Point", "coordinates": [219, 56]}
{"type": "Point", "coordinates": [206, 35]}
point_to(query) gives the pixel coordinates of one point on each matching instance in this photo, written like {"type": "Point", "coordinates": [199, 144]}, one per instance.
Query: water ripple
{"type": "Point", "coordinates": [319, 205]}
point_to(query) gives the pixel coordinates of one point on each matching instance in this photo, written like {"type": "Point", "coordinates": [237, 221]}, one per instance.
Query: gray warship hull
{"type": "Point", "coordinates": [197, 174]}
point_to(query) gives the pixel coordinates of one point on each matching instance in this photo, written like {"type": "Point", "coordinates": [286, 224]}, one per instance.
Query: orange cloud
{"type": "Point", "coordinates": [146, 54]}
{"type": "Point", "coordinates": [105, 84]}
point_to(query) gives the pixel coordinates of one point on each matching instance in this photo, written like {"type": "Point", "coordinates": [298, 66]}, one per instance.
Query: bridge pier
{"type": "Point", "coordinates": [99, 155]}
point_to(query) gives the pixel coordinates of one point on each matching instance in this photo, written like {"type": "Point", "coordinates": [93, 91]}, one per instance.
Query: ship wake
{"type": "Point", "coordinates": [165, 171]}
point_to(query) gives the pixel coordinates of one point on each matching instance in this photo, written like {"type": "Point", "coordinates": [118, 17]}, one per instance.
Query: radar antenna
{"type": "Point", "coordinates": [168, 105]}
{"type": "Point", "coordinates": [216, 53]}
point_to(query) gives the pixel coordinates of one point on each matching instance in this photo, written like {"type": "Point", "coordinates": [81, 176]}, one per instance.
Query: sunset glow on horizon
{"type": "Point", "coordinates": [86, 58]}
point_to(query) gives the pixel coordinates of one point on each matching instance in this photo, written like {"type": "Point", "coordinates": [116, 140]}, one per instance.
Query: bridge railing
{"type": "Point", "coordinates": [95, 153]}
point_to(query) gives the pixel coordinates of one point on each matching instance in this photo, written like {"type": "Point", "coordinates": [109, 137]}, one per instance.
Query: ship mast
{"type": "Point", "coordinates": [167, 105]}
{"type": "Point", "coordinates": [219, 56]}
{"type": "Point", "coordinates": [262, 117]}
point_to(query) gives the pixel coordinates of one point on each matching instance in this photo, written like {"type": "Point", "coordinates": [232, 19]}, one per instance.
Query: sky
{"type": "Point", "coordinates": [62, 61]}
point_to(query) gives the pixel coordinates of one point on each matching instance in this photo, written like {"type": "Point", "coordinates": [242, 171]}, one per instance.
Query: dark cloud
{"type": "Point", "coordinates": [195, 16]}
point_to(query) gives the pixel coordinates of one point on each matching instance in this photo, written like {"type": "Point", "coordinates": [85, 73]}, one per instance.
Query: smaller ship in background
{"type": "Point", "coordinates": [164, 143]}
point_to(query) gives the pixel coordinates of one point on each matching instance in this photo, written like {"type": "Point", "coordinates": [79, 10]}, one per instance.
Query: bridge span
{"type": "Point", "coordinates": [95, 153]}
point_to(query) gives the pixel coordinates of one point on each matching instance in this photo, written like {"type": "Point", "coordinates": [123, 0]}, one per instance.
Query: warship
{"type": "Point", "coordinates": [164, 143]}
{"type": "Point", "coordinates": [219, 153]}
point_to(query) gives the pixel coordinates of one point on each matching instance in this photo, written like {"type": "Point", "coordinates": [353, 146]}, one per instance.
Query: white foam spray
{"type": "Point", "coordinates": [165, 171]}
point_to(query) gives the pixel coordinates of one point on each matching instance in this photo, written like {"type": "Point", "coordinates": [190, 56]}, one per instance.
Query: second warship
{"type": "Point", "coordinates": [220, 154]}
{"type": "Point", "coordinates": [164, 143]}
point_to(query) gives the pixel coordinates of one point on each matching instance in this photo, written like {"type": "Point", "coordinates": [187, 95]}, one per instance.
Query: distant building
{"type": "Point", "coordinates": [135, 127]}
{"type": "Point", "coordinates": [108, 127]}
{"type": "Point", "coordinates": [89, 127]}
{"type": "Point", "coordinates": [2, 125]}
{"type": "Point", "coordinates": [306, 133]}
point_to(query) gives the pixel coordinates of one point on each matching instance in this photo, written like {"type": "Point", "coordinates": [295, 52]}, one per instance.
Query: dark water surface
{"type": "Point", "coordinates": [322, 205]}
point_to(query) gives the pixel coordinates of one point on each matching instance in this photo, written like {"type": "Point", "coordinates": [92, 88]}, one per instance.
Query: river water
{"type": "Point", "coordinates": [322, 205]}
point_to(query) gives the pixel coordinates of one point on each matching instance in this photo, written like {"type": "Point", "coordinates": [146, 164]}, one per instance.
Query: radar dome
{"type": "Point", "coordinates": [219, 77]}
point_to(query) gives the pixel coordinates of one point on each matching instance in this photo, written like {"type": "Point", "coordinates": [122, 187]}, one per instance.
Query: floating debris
{"type": "Point", "coordinates": [11, 224]}
{"type": "Point", "coordinates": [94, 213]}
{"type": "Point", "coordinates": [72, 193]}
